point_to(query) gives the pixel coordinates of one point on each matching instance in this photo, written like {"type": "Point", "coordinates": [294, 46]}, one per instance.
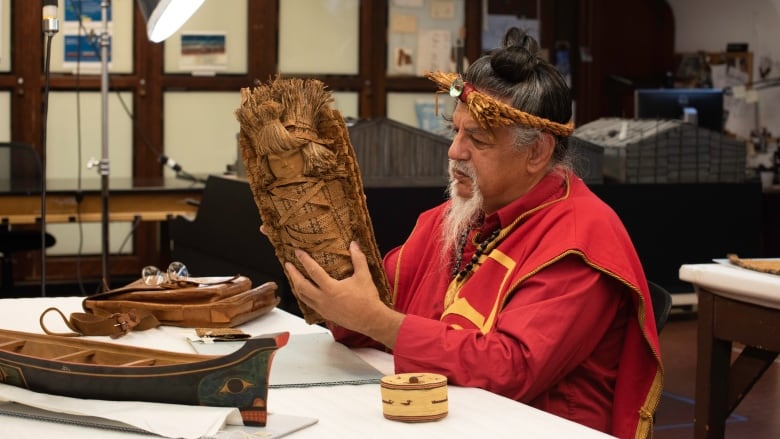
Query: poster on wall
{"type": "Point", "coordinates": [82, 29]}
{"type": "Point", "coordinates": [203, 52]}
{"type": "Point", "coordinates": [403, 32]}
{"type": "Point", "coordinates": [423, 36]}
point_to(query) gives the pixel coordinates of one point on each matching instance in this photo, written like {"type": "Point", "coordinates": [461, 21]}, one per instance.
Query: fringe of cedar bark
{"type": "Point", "coordinates": [306, 102]}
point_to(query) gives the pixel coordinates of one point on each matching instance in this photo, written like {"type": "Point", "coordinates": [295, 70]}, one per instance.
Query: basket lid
{"type": "Point", "coordinates": [418, 380]}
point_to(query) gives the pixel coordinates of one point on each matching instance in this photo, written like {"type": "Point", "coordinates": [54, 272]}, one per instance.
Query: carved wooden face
{"type": "Point", "coordinates": [286, 164]}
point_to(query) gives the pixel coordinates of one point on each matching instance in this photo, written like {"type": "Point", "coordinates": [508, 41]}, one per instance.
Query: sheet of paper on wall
{"type": "Point", "coordinates": [741, 112]}
{"type": "Point", "coordinates": [81, 52]}
{"type": "Point", "coordinates": [402, 62]}
{"type": "Point", "coordinates": [741, 117]}
{"type": "Point", "coordinates": [724, 76]}
{"type": "Point", "coordinates": [203, 51]}
{"type": "Point", "coordinates": [78, 27]}
{"type": "Point", "coordinates": [496, 25]}
{"type": "Point", "coordinates": [434, 48]}
{"type": "Point", "coordinates": [442, 9]}
{"type": "Point", "coordinates": [744, 101]}
{"type": "Point", "coordinates": [401, 44]}
{"type": "Point", "coordinates": [403, 24]}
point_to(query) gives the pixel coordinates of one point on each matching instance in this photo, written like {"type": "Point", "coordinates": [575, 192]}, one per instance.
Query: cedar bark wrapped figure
{"type": "Point", "coordinates": [305, 179]}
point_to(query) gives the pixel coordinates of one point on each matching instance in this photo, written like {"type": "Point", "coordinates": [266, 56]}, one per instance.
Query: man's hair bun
{"type": "Point", "coordinates": [516, 60]}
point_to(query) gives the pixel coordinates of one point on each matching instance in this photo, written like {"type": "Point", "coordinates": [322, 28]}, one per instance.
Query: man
{"type": "Point", "coordinates": [533, 289]}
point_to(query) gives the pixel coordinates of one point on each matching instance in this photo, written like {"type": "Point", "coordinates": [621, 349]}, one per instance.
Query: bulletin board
{"type": "Point", "coordinates": [424, 35]}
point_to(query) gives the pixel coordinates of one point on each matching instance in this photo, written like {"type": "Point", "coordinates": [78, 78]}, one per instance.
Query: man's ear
{"type": "Point", "coordinates": [540, 153]}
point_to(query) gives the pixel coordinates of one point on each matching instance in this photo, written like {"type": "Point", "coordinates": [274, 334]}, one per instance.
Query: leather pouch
{"type": "Point", "coordinates": [210, 302]}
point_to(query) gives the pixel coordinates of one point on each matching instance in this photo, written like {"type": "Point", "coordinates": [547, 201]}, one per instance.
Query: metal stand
{"type": "Point", "coordinates": [103, 168]}
{"type": "Point", "coordinates": [50, 25]}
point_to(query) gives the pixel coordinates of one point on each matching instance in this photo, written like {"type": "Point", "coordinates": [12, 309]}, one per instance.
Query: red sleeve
{"type": "Point", "coordinates": [549, 326]}
{"type": "Point", "coordinates": [353, 339]}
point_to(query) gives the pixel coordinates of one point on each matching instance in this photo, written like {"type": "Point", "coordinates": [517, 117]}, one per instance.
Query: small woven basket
{"type": "Point", "coordinates": [414, 397]}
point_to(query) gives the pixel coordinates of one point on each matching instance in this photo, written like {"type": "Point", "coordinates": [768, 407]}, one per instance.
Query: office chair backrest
{"type": "Point", "coordinates": [21, 168]}
{"type": "Point", "coordinates": [21, 171]}
{"type": "Point", "coordinates": [662, 304]}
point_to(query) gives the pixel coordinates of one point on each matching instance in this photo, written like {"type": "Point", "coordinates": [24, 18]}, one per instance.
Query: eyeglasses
{"type": "Point", "coordinates": [176, 272]}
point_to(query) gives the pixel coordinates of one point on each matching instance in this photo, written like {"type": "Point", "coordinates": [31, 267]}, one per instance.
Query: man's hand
{"type": "Point", "coordinates": [352, 303]}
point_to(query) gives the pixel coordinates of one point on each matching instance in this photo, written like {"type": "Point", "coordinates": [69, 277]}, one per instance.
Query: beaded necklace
{"type": "Point", "coordinates": [456, 271]}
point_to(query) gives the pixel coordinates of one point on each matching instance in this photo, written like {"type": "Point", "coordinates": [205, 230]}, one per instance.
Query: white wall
{"type": "Point", "coordinates": [709, 25]}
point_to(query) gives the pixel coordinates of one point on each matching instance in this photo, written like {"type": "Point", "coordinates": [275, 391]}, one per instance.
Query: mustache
{"type": "Point", "coordinates": [462, 167]}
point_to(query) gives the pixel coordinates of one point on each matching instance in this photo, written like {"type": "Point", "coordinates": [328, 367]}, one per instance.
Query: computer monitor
{"type": "Point", "coordinates": [703, 106]}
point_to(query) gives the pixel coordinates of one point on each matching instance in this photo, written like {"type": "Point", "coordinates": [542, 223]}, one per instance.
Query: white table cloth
{"type": "Point", "coordinates": [342, 411]}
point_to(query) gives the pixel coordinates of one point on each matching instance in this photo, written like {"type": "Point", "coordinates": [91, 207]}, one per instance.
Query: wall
{"type": "Point", "coordinates": [750, 21]}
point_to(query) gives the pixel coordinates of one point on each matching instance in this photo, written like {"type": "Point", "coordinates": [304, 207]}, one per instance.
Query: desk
{"type": "Point", "coordinates": [735, 305]}
{"type": "Point", "coordinates": [153, 201]}
{"type": "Point", "coordinates": [148, 200]}
{"type": "Point", "coordinates": [348, 411]}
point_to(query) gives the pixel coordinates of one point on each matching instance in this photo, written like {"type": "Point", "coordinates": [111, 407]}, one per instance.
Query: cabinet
{"type": "Point", "coordinates": [623, 45]}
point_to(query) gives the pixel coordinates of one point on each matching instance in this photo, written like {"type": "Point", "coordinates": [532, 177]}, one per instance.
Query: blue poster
{"type": "Point", "coordinates": [81, 48]}
{"type": "Point", "coordinates": [88, 10]}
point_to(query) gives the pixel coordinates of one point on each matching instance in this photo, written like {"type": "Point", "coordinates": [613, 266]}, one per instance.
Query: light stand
{"type": "Point", "coordinates": [103, 168]}
{"type": "Point", "coordinates": [50, 26]}
{"type": "Point", "coordinates": [165, 16]}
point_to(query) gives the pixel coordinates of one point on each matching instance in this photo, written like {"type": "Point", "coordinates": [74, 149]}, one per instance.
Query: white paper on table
{"type": "Point", "coordinates": [307, 360]}
{"type": "Point", "coordinates": [168, 420]}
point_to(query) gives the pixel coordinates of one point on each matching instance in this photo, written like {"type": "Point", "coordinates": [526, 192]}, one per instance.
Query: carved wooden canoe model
{"type": "Point", "coordinates": [89, 369]}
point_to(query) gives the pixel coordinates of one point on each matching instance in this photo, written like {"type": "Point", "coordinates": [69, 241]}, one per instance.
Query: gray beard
{"type": "Point", "coordinates": [461, 216]}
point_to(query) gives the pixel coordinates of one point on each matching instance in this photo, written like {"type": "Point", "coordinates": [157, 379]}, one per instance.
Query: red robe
{"type": "Point", "coordinates": [546, 316]}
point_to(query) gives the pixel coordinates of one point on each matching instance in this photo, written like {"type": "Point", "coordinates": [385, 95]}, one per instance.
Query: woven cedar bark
{"type": "Point", "coordinates": [305, 179]}
{"type": "Point", "coordinates": [764, 266]}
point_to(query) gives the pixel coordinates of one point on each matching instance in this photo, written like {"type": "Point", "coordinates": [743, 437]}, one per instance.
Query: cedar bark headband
{"type": "Point", "coordinates": [489, 112]}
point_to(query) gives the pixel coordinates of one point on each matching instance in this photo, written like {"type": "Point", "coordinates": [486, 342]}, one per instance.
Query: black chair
{"type": "Point", "coordinates": [21, 172]}
{"type": "Point", "coordinates": [662, 304]}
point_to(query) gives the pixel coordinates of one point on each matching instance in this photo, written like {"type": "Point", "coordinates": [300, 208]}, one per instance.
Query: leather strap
{"type": "Point", "coordinates": [115, 325]}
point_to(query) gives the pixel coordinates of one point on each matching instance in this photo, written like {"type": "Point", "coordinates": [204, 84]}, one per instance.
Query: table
{"type": "Point", "coordinates": [151, 200]}
{"type": "Point", "coordinates": [735, 305]}
{"type": "Point", "coordinates": [148, 200]}
{"type": "Point", "coordinates": [345, 411]}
